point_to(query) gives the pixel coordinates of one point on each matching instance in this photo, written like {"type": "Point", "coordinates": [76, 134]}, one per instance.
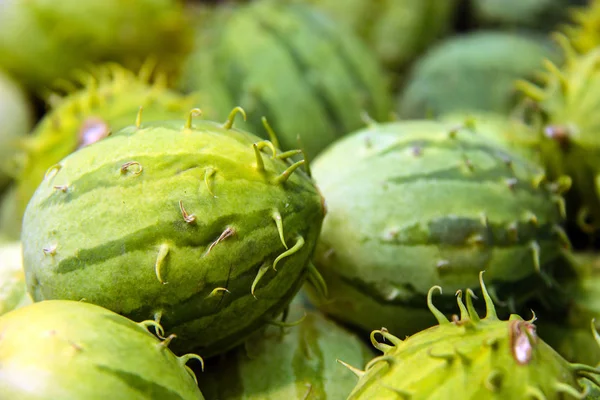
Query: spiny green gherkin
{"type": "Point", "coordinates": [470, 357]}
{"type": "Point", "coordinates": [568, 126]}
{"type": "Point", "coordinates": [109, 97]}
{"type": "Point", "coordinates": [73, 350]}
{"type": "Point", "coordinates": [413, 204]}
{"type": "Point", "coordinates": [202, 226]}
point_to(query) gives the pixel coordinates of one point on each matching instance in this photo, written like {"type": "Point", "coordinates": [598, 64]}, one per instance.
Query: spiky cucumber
{"type": "Point", "coordinates": [296, 361]}
{"type": "Point", "coordinates": [71, 350]}
{"type": "Point", "coordinates": [470, 358]}
{"type": "Point", "coordinates": [416, 203]}
{"type": "Point", "coordinates": [309, 76]}
{"type": "Point", "coordinates": [202, 226]}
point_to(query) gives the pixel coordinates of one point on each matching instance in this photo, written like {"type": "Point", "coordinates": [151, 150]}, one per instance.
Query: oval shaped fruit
{"type": "Point", "coordinates": [470, 358]}
{"type": "Point", "coordinates": [311, 78]}
{"type": "Point", "coordinates": [71, 350]}
{"type": "Point", "coordinates": [202, 226]}
{"type": "Point", "coordinates": [473, 71]}
{"type": "Point", "coordinates": [39, 48]}
{"type": "Point", "coordinates": [413, 204]}
{"type": "Point", "coordinates": [13, 290]}
{"type": "Point", "coordinates": [296, 362]}
{"type": "Point", "coordinates": [109, 97]}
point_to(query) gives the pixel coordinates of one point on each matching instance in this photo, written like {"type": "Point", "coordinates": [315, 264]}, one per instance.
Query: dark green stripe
{"type": "Point", "coordinates": [352, 68]}
{"type": "Point", "coordinates": [178, 231]}
{"type": "Point", "coordinates": [150, 389]}
{"type": "Point", "coordinates": [304, 70]}
{"type": "Point", "coordinates": [496, 175]}
{"type": "Point", "coordinates": [456, 231]}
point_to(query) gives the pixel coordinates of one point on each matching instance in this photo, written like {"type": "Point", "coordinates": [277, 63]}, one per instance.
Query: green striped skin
{"type": "Point", "coordinates": [308, 76]}
{"type": "Point", "coordinates": [72, 350]}
{"type": "Point", "coordinates": [40, 49]}
{"type": "Point", "coordinates": [470, 357]}
{"type": "Point", "coordinates": [398, 30]}
{"type": "Point", "coordinates": [13, 291]}
{"type": "Point", "coordinates": [297, 362]}
{"type": "Point", "coordinates": [16, 120]}
{"type": "Point", "coordinates": [569, 126]}
{"type": "Point", "coordinates": [541, 15]}
{"type": "Point", "coordinates": [183, 240]}
{"type": "Point", "coordinates": [106, 103]}
{"type": "Point", "coordinates": [419, 203]}
{"type": "Point", "coordinates": [474, 71]}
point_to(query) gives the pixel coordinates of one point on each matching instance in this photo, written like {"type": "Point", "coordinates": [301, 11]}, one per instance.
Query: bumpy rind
{"type": "Point", "coordinates": [417, 203]}
{"type": "Point", "coordinates": [202, 226]}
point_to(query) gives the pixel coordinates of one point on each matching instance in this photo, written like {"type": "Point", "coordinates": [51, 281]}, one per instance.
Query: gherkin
{"type": "Point", "coordinates": [470, 357]}
{"type": "Point", "coordinates": [417, 203]}
{"type": "Point", "coordinates": [201, 226]}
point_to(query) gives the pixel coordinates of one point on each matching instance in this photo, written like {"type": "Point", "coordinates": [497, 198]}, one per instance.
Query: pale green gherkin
{"type": "Point", "coordinates": [412, 204]}
{"type": "Point", "coordinates": [470, 357]}
{"type": "Point", "coordinates": [202, 226]}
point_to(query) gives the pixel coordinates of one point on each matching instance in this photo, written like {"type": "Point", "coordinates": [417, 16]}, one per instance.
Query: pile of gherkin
{"type": "Point", "coordinates": [300, 199]}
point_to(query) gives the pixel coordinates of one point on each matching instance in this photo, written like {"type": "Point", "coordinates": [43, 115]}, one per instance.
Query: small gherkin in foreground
{"type": "Point", "coordinates": [204, 227]}
{"type": "Point", "coordinates": [470, 358]}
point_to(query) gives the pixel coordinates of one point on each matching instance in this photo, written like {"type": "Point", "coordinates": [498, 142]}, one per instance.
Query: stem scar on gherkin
{"type": "Point", "coordinates": [229, 123]}
{"type": "Point", "coordinates": [50, 250]}
{"type": "Point", "coordinates": [62, 188]}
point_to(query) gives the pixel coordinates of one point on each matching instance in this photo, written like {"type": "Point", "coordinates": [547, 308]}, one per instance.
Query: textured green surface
{"type": "Point", "coordinates": [310, 77]}
{"type": "Point", "coordinates": [16, 120]}
{"type": "Point", "coordinates": [108, 102]}
{"type": "Point", "coordinates": [39, 45]}
{"type": "Point", "coordinates": [537, 14]}
{"type": "Point", "coordinates": [473, 71]}
{"type": "Point", "coordinates": [568, 101]}
{"type": "Point", "coordinates": [117, 236]}
{"type": "Point", "coordinates": [298, 362]}
{"type": "Point", "coordinates": [419, 203]}
{"type": "Point", "coordinates": [13, 291]}
{"type": "Point", "coordinates": [397, 30]}
{"type": "Point", "coordinates": [74, 350]}
{"type": "Point", "coordinates": [471, 357]}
